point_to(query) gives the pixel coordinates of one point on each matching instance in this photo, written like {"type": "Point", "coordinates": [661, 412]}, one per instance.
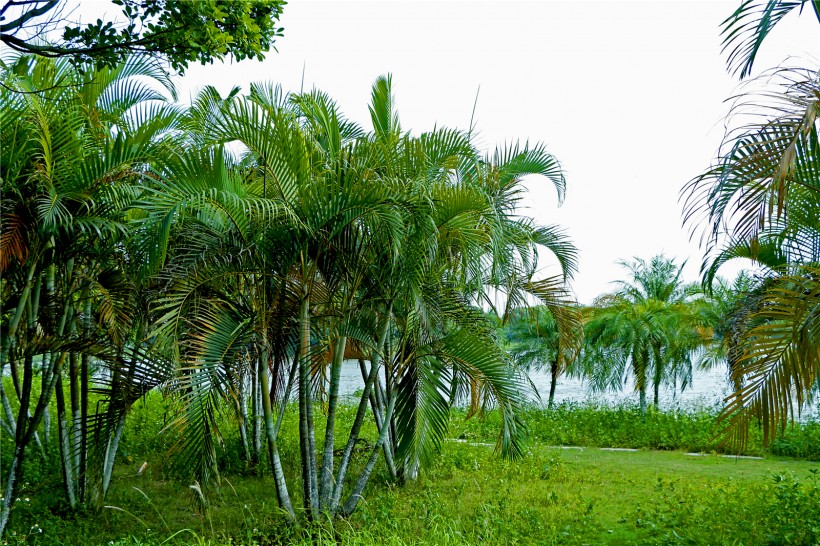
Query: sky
{"type": "Point", "coordinates": [628, 95]}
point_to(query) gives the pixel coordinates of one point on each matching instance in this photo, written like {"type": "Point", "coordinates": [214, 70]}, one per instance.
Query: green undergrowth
{"type": "Point", "coordinates": [685, 429]}
{"type": "Point", "coordinates": [470, 496]}
{"type": "Point", "coordinates": [466, 495]}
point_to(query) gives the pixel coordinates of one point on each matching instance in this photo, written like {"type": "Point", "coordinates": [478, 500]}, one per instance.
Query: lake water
{"type": "Point", "coordinates": [706, 389]}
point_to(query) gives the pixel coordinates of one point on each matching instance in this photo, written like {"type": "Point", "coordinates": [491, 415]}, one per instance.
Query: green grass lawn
{"type": "Point", "coordinates": [470, 496]}
{"type": "Point", "coordinates": [467, 494]}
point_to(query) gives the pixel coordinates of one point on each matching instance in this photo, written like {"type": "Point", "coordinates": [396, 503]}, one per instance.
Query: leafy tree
{"type": "Point", "coordinates": [177, 30]}
{"type": "Point", "coordinates": [74, 158]}
{"type": "Point", "coordinates": [133, 241]}
{"type": "Point", "coordinates": [342, 243]}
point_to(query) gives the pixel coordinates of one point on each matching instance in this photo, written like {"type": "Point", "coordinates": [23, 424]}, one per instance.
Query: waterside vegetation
{"type": "Point", "coordinates": [182, 286]}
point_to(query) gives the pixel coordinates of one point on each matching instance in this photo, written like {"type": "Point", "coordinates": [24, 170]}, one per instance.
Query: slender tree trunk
{"type": "Point", "coordinates": [361, 411]}
{"type": "Point", "coordinates": [656, 384]}
{"type": "Point", "coordinates": [110, 457]}
{"type": "Point", "coordinates": [306, 430]}
{"type": "Point", "coordinates": [642, 398]}
{"type": "Point", "coordinates": [273, 451]}
{"type": "Point", "coordinates": [356, 494]}
{"type": "Point", "coordinates": [639, 366]}
{"type": "Point", "coordinates": [83, 473]}
{"type": "Point", "coordinates": [85, 378]}
{"type": "Point", "coordinates": [11, 332]}
{"type": "Point", "coordinates": [66, 456]}
{"type": "Point", "coordinates": [553, 383]}
{"type": "Point", "coordinates": [242, 402]}
{"type": "Point", "coordinates": [15, 473]}
{"type": "Point", "coordinates": [367, 396]}
{"type": "Point", "coordinates": [378, 419]}
{"type": "Point", "coordinates": [8, 411]}
{"type": "Point", "coordinates": [46, 426]}
{"type": "Point", "coordinates": [256, 410]}
{"type": "Point", "coordinates": [26, 429]}
{"type": "Point", "coordinates": [326, 477]}
{"type": "Point", "coordinates": [76, 425]}
{"type": "Point", "coordinates": [51, 288]}
{"type": "Point", "coordinates": [12, 478]}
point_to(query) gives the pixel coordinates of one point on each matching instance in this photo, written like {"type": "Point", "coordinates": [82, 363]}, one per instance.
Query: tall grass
{"type": "Point", "coordinates": [693, 429]}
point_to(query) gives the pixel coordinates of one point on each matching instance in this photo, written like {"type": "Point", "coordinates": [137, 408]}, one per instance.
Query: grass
{"type": "Point", "coordinates": [470, 496]}
{"type": "Point", "coordinates": [467, 495]}
{"type": "Point", "coordinates": [595, 497]}
{"type": "Point", "coordinates": [687, 429]}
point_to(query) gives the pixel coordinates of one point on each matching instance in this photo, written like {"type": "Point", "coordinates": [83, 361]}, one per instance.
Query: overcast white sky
{"type": "Point", "coordinates": [629, 96]}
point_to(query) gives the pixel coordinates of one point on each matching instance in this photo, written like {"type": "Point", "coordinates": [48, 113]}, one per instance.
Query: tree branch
{"type": "Point", "coordinates": [28, 15]}
{"type": "Point", "coordinates": [57, 51]}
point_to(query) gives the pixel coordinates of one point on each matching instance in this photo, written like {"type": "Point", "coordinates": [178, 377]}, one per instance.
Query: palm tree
{"type": "Point", "coordinates": [760, 201]}
{"type": "Point", "coordinates": [75, 147]}
{"type": "Point", "coordinates": [322, 237]}
{"type": "Point", "coordinates": [534, 343]}
{"type": "Point", "coordinates": [647, 328]}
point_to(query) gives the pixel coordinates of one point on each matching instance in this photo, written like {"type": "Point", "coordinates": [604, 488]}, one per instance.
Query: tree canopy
{"type": "Point", "coordinates": [179, 31]}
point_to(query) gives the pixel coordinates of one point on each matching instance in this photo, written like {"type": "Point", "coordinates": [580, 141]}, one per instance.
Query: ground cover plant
{"type": "Point", "coordinates": [467, 495]}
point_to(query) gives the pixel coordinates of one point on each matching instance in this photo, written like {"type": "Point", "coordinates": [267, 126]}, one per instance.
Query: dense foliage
{"type": "Point", "coordinates": [139, 252]}
{"type": "Point", "coordinates": [178, 31]}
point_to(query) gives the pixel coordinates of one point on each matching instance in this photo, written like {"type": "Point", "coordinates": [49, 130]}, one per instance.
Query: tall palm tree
{"type": "Point", "coordinates": [534, 343]}
{"type": "Point", "coordinates": [324, 236]}
{"type": "Point", "coordinates": [646, 328]}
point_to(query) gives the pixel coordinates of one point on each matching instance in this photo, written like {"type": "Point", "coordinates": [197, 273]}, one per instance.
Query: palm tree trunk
{"type": "Point", "coordinates": [256, 411]}
{"type": "Point", "coordinates": [361, 411]}
{"type": "Point", "coordinates": [326, 476]}
{"type": "Point", "coordinates": [553, 383]}
{"type": "Point", "coordinates": [26, 429]}
{"type": "Point", "coordinates": [13, 477]}
{"type": "Point", "coordinates": [46, 426]}
{"type": "Point", "coordinates": [242, 402]}
{"type": "Point", "coordinates": [367, 395]}
{"type": "Point", "coordinates": [356, 494]}
{"type": "Point", "coordinates": [85, 378]}
{"type": "Point", "coordinates": [639, 366]}
{"type": "Point", "coordinates": [282, 494]}
{"type": "Point", "coordinates": [306, 430]}
{"type": "Point", "coordinates": [642, 398]}
{"type": "Point", "coordinates": [377, 410]}
{"type": "Point", "coordinates": [76, 427]}
{"type": "Point", "coordinates": [656, 384]}
{"type": "Point", "coordinates": [110, 457]}
{"type": "Point", "coordinates": [11, 331]}
{"type": "Point", "coordinates": [66, 455]}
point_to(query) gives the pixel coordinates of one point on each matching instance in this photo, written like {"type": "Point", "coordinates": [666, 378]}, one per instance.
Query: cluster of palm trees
{"type": "Point", "coordinates": [759, 201]}
{"type": "Point", "coordinates": [239, 252]}
{"type": "Point", "coordinates": [652, 331]}
{"type": "Point", "coordinates": [236, 254]}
